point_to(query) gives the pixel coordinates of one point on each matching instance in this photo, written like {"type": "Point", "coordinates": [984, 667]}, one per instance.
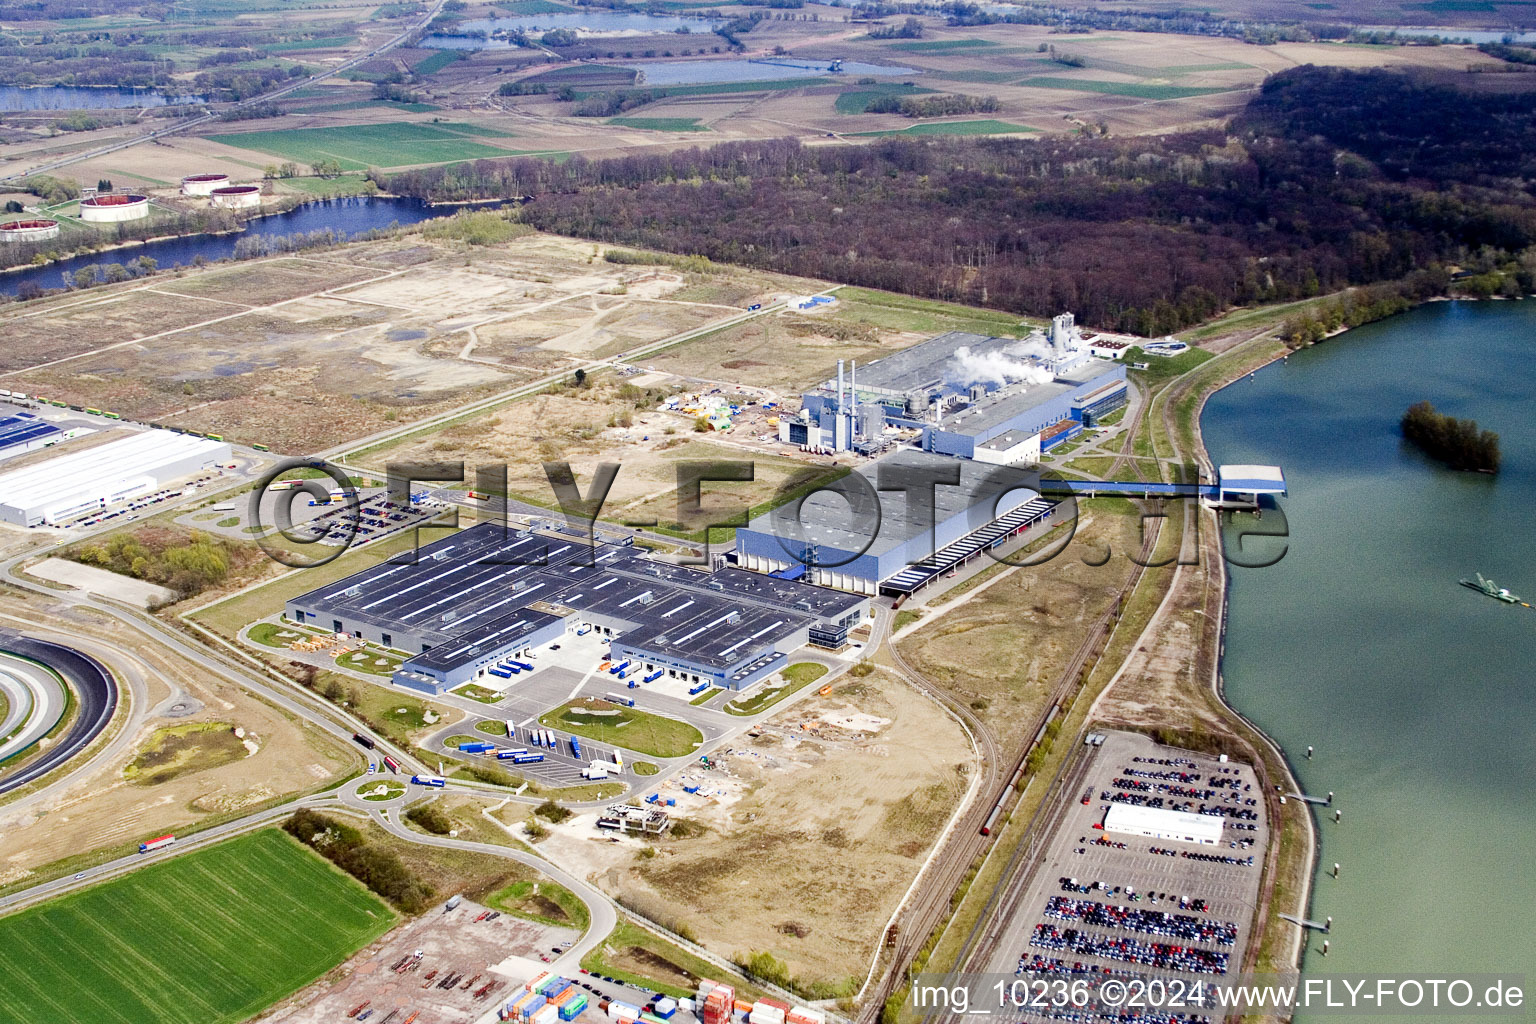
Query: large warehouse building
{"type": "Point", "coordinates": [998, 400]}
{"type": "Point", "coordinates": [74, 484]}
{"type": "Point", "coordinates": [894, 545]}
{"type": "Point", "coordinates": [1161, 823]}
{"type": "Point", "coordinates": [489, 593]}
{"type": "Point", "coordinates": [22, 432]}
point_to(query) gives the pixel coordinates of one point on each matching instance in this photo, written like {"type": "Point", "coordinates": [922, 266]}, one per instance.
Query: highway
{"type": "Point", "coordinates": [183, 124]}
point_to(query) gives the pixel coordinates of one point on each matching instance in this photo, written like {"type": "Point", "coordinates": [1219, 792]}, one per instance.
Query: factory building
{"type": "Point", "coordinates": [992, 399]}
{"type": "Point", "coordinates": [75, 484]}
{"type": "Point", "coordinates": [888, 540]}
{"type": "Point", "coordinates": [489, 593]}
{"type": "Point", "coordinates": [22, 432]}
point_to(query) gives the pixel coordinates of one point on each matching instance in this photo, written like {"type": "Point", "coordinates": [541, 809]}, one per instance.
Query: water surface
{"type": "Point", "coordinates": [1419, 695]}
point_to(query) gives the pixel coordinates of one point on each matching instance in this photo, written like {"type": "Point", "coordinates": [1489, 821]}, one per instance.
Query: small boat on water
{"type": "Point", "coordinates": [1488, 588]}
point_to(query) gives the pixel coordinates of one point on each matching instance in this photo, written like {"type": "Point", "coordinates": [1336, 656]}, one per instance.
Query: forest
{"type": "Point", "coordinates": [1327, 179]}
{"type": "Point", "coordinates": [1457, 443]}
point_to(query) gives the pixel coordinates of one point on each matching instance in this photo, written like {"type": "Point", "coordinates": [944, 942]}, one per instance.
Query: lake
{"type": "Point", "coordinates": [60, 97]}
{"type": "Point", "coordinates": [1416, 692]}
{"type": "Point", "coordinates": [592, 23]}
{"type": "Point", "coordinates": [352, 216]}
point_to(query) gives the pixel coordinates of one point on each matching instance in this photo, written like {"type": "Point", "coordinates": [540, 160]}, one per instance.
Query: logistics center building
{"type": "Point", "coordinates": [492, 592]}
{"type": "Point", "coordinates": [75, 484]}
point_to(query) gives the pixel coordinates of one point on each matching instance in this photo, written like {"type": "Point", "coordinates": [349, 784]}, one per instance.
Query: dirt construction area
{"type": "Point", "coordinates": [301, 352]}
{"type": "Point", "coordinates": [802, 838]}
{"type": "Point", "coordinates": [452, 979]}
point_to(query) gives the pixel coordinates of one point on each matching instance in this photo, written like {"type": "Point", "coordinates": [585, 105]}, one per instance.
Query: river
{"type": "Point", "coordinates": [1417, 693]}
{"type": "Point", "coordinates": [350, 216]}
{"type": "Point", "coordinates": [71, 97]}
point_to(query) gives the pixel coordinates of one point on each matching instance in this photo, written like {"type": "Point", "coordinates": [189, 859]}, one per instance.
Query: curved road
{"type": "Point", "coordinates": [26, 689]}
{"type": "Point", "coordinates": [95, 692]}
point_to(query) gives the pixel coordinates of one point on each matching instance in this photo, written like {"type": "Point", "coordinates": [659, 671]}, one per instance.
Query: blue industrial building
{"type": "Point", "coordinates": [469, 602]}
{"type": "Point", "coordinates": [891, 541]}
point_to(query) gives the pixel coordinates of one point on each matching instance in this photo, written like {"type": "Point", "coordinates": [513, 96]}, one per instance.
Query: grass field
{"type": "Point", "coordinates": [986, 126]}
{"type": "Point", "coordinates": [938, 45]}
{"type": "Point", "coordinates": [629, 728]}
{"type": "Point", "coordinates": [796, 677]}
{"type": "Point", "coordinates": [437, 61]}
{"type": "Point", "coordinates": [854, 101]}
{"type": "Point", "coordinates": [209, 937]}
{"type": "Point", "coordinates": [1137, 90]}
{"type": "Point", "coordinates": [661, 124]}
{"type": "Point", "coordinates": [360, 146]}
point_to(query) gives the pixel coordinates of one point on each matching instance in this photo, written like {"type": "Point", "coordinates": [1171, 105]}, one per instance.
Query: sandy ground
{"type": "Point", "coordinates": [101, 582]}
{"type": "Point", "coordinates": [451, 942]}
{"type": "Point", "coordinates": [802, 839]}
{"type": "Point", "coordinates": [102, 808]}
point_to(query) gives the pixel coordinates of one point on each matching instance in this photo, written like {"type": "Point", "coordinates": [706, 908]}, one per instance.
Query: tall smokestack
{"type": "Point", "coordinates": [853, 385]}
{"type": "Point", "coordinates": [839, 407]}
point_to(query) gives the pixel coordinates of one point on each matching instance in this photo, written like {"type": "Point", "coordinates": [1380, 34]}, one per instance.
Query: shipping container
{"type": "Point", "coordinates": [575, 747]}
{"type": "Point", "coordinates": [527, 758]}
{"type": "Point", "coordinates": [805, 1015]}
{"type": "Point", "coordinates": [626, 1011]}
{"type": "Point", "coordinates": [572, 1009]}
{"type": "Point", "coordinates": [536, 982]}
{"type": "Point", "coordinates": [544, 1015]}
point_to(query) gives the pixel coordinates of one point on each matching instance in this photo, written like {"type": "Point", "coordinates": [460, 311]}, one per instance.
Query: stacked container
{"type": "Point", "coordinates": [718, 1003]}
{"type": "Point", "coordinates": [623, 1011]}
{"type": "Point", "coordinates": [566, 993]}
{"type": "Point", "coordinates": [545, 1014]}
{"type": "Point", "coordinates": [534, 1004]}
{"type": "Point", "coordinates": [666, 1007]}
{"type": "Point", "coordinates": [766, 1012]}
{"type": "Point", "coordinates": [805, 1015]}
{"type": "Point", "coordinates": [571, 1008]}
{"type": "Point", "coordinates": [537, 981]}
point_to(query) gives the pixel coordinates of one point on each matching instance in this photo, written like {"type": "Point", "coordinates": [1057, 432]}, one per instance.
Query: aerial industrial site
{"type": "Point", "coordinates": [790, 513]}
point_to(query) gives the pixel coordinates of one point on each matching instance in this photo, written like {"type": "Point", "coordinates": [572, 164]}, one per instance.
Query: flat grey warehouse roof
{"type": "Point", "coordinates": [469, 590]}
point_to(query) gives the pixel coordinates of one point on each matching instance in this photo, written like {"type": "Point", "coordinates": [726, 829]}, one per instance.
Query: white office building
{"type": "Point", "coordinates": [78, 483]}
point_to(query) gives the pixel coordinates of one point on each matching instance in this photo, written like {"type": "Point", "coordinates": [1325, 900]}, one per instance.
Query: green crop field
{"type": "Point", "coordinates": [437, 61]}
{"type": "Point", "coordinates": [360, 146]}
{"type": "Point", "coordinates": [661, 124]}
{"type": "Point", "coordinates": [855, 101]}
{"type": "Point", "coordinates": [629, 728]}
{"type": "Point", "coordinates": [935, 45]}
{"type": "Point", "coordinates": [1138, 90]}
{"type": "Point", "coordinates": [982, 127]}
{"type": "Point", "coordinates": [208, 937]}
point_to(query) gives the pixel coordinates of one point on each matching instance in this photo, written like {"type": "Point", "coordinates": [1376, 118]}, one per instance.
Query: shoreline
{"type": "Point", "coordinates": [1218, 678]}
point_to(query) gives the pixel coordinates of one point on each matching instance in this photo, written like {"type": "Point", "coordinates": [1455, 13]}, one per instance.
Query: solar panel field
{"type": "Point", "coordinates": [208, 937]}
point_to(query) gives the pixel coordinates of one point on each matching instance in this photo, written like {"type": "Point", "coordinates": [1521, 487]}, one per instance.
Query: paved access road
{"type": "Point", "coordinates": [95, 693]}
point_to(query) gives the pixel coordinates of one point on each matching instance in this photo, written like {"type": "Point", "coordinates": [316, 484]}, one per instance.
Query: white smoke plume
{"type": "Point", "coordinates": [1002, 366]}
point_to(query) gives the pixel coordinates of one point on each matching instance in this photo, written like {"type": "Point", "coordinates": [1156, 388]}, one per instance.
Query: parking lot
{"type": "Point", "coordinates": [1104, 903]}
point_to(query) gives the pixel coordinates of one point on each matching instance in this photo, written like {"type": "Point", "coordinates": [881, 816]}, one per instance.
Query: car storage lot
{"type": "Point", "coordinates": [452, 942]}
{"type": "Point", "coordinates": [1130, 918]}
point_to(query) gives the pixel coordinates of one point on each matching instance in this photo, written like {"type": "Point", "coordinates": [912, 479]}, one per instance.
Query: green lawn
{"type": "Point", "coordinates": [542, 901]}
{"type": "Point", "coordinates": [708, 88]}
{"type": "Point", "coordinates": [437, 61]}
{"type": "Point", "coordinates": [892, 312]}
{"type": "Point", "coordinates": [492, 727]}
{"type": "Point", "coordinates": [370, 662]}
{"type": "Point", "coordinates": [935, 45]}
{"type": "Point", "coordinates": [271, 634]}
{"type": "Point", "coordinates": [644, 768]}
{"type": "Point", "coordinates": [796, 678]}
{"type": "Point", "coordinates": [1138, 90]}
{"type": "Point", "coordinates": [706, 696]}
{"type": "Point", "coordinates": [854, 101]}
{"type": "Point", "coordinates": [661, 124]}
{"type": "Point", "coordinates": [987, 126]}
{"type": "Point", "coordinates": [474, 691]}
{"type": "Point", "coordinates": [208, 937]}
{"type": "Point", "coordinates": [629, 728]}
{"type": "Point", "coordinates": [330, 188]}
{"type": "Point", "coordinates": [360, 146]}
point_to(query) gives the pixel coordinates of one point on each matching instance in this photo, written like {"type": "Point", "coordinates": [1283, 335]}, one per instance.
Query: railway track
{"type": "Point", "coordinates": [967, 841]}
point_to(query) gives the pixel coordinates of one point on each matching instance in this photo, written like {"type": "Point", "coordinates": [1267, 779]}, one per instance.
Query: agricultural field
{"type": "Point", "coordinates": [984, 126]}
{"type": "Point", "coordinates": [358, 147]}
{"type": "Point", "coordinates": [269, 913]}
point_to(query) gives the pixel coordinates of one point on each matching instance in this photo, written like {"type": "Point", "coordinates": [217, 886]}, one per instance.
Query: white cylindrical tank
{"type": "Point", "coordinates": [202, 184]}
{"type": "Point", "coordinates": [112, 209]}
{"type": "Point", "coordinates": [237, 197]}
{"type": "Point", "coordinates": [28, 230]}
